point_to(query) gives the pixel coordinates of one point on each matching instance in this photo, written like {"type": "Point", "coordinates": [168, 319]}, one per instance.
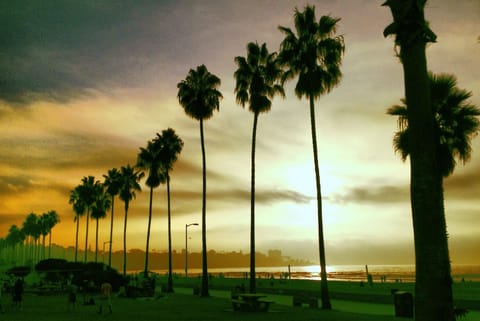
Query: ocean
{"type": "Point", "coordinates": [379, 273]}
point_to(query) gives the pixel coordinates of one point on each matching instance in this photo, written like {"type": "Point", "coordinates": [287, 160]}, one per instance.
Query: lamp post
{"type": "Point", "coordinates": [103, 252]}
{"type": "Point", "coordinates": [186, 246]}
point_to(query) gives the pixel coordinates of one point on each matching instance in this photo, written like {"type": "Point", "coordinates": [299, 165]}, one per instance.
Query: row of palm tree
{"type": "Point", "coordinates": [24, 241]}
{"type": "Point", "coordinates": [436, 125]}
{"type": "Point", "coordinates": [93, 198]}
{"type": "Point", "coordinates": [313, 54]}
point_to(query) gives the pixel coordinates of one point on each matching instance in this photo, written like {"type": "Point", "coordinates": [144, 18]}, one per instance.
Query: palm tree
{"type": "Point", "coordinates": [79, 209]}
{"type": "Point", "coordinates": [199, 97]}
{"type": "Point", "coordinates": [52, 220]}
{"type": "Point", "coordinates": [129, 179]}
{"type": "Point", "coordinates": [99, 210]}
{"type": "Point", "coordinates": [148, 160]}
{"type": "Point", "coordinates": [44, 230]}
{"type": "Point", "coordinates": [14, 237]}
{"type": "Point", "coordinates": [88, 192]}
{"type": "Point", "coordinates": [256, 83]}
{"type": "Point", "coordinates": [30, 229]}
{"type": "Point", "coordinates": [169, 147]}
{"type": "Point", "coordinates": [455, 123]}
{"type": "Point", "coordinates": [112, 185]}
{"type": "Point", "coordinates": [433, 286]}
{"type": "Point", "coordinates": [314, 53]}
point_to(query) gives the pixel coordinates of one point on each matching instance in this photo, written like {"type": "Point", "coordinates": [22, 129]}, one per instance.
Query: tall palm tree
{"type": "Point", "coordinates": [44, 230]}
{"type": "Point", "coordinates": [99, 210]}
{"type": "Point", "coordinates": [15, 237]}
{"type": "Point", "coordinates": [52, 220]}
{"type": "Point", "coordinates": [148, 160]}
{"type": "Point", "coordinates": [256, 84]}
{"type": "Point", "coordinates": [129, 179]}
{"type": "Point", "coordinates": [169, 146]}
{"type": "Point", "coordinates": [455, 124]}
{"type": "Point", "coordinates": [433, 288]}
{"type": "Point", "coordinates": [112, 186]}
{"type": "Point", "coordinates": [314, 54]}
{"type": "Point", "coordinates": [30, 229]}
{"type": "Point", "coordinates": [88, 192]}
{"type": "Point", "coordinates": [199, 97]}
{"type": "Point", "coordinates": [79, 209]}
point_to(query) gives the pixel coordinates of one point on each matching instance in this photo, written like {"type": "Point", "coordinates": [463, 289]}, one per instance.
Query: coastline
{"type": "Point", "coordinates": [350, 273]}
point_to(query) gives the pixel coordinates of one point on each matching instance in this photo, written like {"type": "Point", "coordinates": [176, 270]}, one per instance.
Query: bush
{"type": "Point", "coordinates": [59, 270]}
{"type": "Point", "coordinates": [19, 271]}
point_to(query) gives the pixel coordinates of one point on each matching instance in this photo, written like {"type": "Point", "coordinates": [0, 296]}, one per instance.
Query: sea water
{"type": "Point", "coordinates": [379, 273]}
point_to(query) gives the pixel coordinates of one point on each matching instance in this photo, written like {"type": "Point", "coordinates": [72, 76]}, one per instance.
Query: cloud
{"type": "Point", "coordinates": [57, 51]}
{"type": "Point", "coordinates": [464, 185]}
{"type": "Point", "coordinates": [188, 201]}
{"type": "Point", "coordinates": [24, 185]}
{"type": "Point", "coordinates": [374, 194]}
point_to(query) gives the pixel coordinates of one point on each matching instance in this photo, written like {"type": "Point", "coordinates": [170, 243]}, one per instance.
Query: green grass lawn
{"type": "Point", "coordinates": [181, 307]}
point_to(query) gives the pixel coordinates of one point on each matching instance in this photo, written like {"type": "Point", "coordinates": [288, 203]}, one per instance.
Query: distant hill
{"type": "Point", "coordinates": [159, 260]}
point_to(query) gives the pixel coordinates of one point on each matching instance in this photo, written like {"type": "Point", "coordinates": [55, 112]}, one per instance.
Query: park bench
{"type": "Point", "coordinates": [251, 303]}
{"type": "Point", "coordinates": [299, 299]}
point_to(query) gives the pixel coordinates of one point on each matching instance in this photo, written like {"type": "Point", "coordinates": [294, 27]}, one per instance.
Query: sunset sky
{"type": "Point", "coordinates": [85, 84]}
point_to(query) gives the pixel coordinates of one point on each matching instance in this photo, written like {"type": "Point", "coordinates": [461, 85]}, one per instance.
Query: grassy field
{"type": "Point", "coordinates": [181, 307]}
{"type": "Point", "coordinates": [350, 302]}
{"type": "Point", "coordinates": [466, 294]}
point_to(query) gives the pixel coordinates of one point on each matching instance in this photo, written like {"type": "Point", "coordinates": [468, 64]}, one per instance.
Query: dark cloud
{"type": "Point", "coordinates": [464, 185]}
{"type": "Point", "coordinates": [66, 150]}
{"type": "Point", "coordinates": [374, 194]}
{"type": "Point", "coordinates": [59, 50]}
{"type": "Point", "coordinates": [186, 202]}
{"type": "Point", "coordinates": [235, 195]}
{"type": "Point", "coordinates": [23, 185]}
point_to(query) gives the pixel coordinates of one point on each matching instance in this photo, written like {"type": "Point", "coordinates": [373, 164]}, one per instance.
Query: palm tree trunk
{"type": "Point", "coordinates": [170, 278]}
{"type": "Point", "coordinates": [50, 244]}
{"type": "Point", "coordinates": [145, 270]}
{"type": "Point", "coordinates": [253, 287]}
{"type": "Point", "coordinates": [76, 239]}
{"type": "Point", "coordinates": [86, 237]}
{"type": "Point", "coordinates": [111, 233]}
{"type": "Point", "coordinates": [96, 242]}
{"type": "Point", "coordinates": [433, 287]}
{"type": "Point", "coordinates": [125, 242]}
{"type": "Point", "coordinates": [204, 290]}
{"type": "Point", "coordinates": [43, 246]}
{"type": "Point", "coordinates": [325, 297]}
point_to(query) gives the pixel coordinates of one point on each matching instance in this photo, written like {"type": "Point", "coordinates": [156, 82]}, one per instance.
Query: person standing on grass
{"type": "Point", "coordinates": [2, 309]}
{"type": "Point", "coordinates": [105, 298]}
{"type": "Point", "coordinates": [18, 293]}
{"type": "Point", "coordinates": [72, 296]}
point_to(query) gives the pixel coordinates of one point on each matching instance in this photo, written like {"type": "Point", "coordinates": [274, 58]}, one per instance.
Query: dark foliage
{"type": "Point", "coordinates": [19, 271]}
{"type": "Point", "coordinates": [59, 270]}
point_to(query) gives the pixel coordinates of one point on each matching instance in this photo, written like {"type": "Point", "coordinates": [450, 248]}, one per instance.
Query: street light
{"type": "Point", "coordinates": [186, 246]}
{"type": "Point", "coordinates": [103, 253]}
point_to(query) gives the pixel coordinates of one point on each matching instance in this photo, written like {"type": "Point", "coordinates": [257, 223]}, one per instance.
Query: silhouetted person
{"type": "Point", "coordinates": [2, 309]}
{"type": "Point", "coordinates": [72, 296]}
{"type": "Point", "coordinates": [105, 297]}
{"type": "Point", "coordinates": [18, 294]}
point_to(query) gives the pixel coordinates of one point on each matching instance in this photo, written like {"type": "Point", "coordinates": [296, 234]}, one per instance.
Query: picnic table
{"type": "Point", "coordinates": [251, 302]}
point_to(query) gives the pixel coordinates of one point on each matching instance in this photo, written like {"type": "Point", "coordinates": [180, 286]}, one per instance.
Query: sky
{"type": "Point", "coordinates": [85, 84]}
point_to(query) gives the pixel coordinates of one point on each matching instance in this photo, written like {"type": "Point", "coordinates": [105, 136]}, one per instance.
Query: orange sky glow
{"type": "Point", "coordinates": [84, 85]}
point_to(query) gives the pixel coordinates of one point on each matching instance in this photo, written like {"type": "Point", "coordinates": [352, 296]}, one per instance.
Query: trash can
{"type": "Point", "coordinates": [403, 302]}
